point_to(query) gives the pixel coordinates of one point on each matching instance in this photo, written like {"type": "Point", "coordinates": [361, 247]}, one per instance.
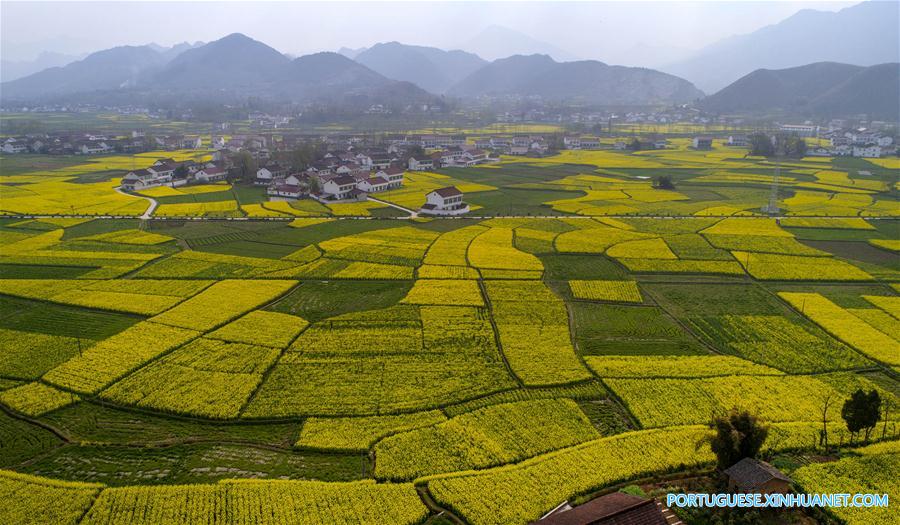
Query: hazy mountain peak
{"type": "Point", "coordinates": [864, 34]}
{"type": "Point", "coordinates": [498, 42]}
{"type": "Point", "coordinates": [108, 69]}
{"type": "Point", "coordinates": [430, 68]}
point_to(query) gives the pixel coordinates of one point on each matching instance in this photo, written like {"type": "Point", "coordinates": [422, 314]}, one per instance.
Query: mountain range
{"type": "Point", "coordinates": [229, 68]}
{"type": "Point", "coordinates": [582, 81]}
{"type": "Point", "coordinates": [865, 34]}
{"type": "Point", "coordinates": [837, 63]}
{"type": "Point", "coordinates": [430, 68]}
{"type": "Point", "coordinates": [820, 89]}
{"type": "Point", "coordinates": [237, 66]}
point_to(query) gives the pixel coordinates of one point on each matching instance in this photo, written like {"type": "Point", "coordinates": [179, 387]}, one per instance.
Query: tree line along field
{"type": "Point", "coordinates": [724, 181]}
{"type": "Point", "coordinates": [325, 367]}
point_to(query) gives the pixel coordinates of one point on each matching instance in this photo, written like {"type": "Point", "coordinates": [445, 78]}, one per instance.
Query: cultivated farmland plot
{"type": "Point", "coordinates": [329, 370]}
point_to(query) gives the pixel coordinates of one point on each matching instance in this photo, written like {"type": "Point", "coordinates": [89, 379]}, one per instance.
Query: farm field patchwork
{"type": "Point", "coordinates": [532, 359]}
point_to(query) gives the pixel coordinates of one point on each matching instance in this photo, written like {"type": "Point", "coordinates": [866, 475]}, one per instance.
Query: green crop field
{"type": "Point", "coordinates": [349, 365]}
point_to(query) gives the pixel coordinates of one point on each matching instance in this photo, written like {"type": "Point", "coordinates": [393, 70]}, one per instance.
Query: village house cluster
{"type": "Point", "coordinates": [96, 144]}
{"type": "Point", "coordinates": [861, 141]}
{"type": "Point", "coordinates": [334, 178]}
{"type": "Point", "coordinates": [167, 172]}
{"type": "Point", "coordinates": [857, 142]}
{"type": "Point", "coordinates": [354, 175]}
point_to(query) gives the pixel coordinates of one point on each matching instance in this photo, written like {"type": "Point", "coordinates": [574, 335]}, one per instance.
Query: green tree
{"type": "Point", "coordinates": [555, 142]}
{"type": "Point", "coordinates": [245, 165]}
{"type": "Point", "coordinates": [862, 412]}
{"type": "Point", "coordinates": [794, 147]}
{"type": "Point", "coordinates": [664, 182]}
{"type": "Point", "coordinates": [761, 145]}
{"type": "Point", "coordinates": [301, 157]}
{"type": "Point", "coordinates": [634, 145]}
{"type": "Point", "coordinates": [739, 435]}
{"type": "Point", "coordinates": [314, 185]}
{"type": "Point", "coordinates": [416, 151]}
{"type": "Point", "coordinates": [181, 172]}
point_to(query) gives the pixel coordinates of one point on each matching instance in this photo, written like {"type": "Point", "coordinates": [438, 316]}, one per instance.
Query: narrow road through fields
{"type": "Point", "coordinates": [412, 214]}
{"type": "Point", "coordinates": [153, 204]}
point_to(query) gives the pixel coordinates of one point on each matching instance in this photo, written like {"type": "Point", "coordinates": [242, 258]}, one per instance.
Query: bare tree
{"type": "Point", "coordinates": [825, 405]}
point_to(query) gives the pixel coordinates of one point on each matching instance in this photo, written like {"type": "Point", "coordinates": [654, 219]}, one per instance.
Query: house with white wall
{"type": "Point", "coordinates": [445, 202]}
{"type": "Point", "coordinates": [421, 164]}
{"type": "Point", "coordinates": [142, 179]}
{"type": "Point", "coordinates": [340, 188]}
{"type": "Point", "coordinates": [373, 185]}
{"type": "Point", "coordinates": [394, 176]}
{"type": "Point", "coordinates": [12, 146]}
{"type": "Point", "coordinates": [213, 174]}
{"type": "Point", "coordinates": [870, 151]}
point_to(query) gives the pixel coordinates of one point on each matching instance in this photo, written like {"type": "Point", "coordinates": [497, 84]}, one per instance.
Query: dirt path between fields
{"type": "Point", "coordinates": [153, 204]}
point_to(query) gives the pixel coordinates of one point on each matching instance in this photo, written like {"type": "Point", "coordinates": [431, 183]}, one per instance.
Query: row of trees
{"type": "Point", "coordinates": [779, 145]}
{"type": "Point", "coordinates": [740, 434]}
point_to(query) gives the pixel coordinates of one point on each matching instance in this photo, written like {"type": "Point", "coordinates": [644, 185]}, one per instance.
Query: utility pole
{"type": "Point", "coordinates": [772, 207]}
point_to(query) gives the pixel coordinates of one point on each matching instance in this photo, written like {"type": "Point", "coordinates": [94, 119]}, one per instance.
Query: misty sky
{"type": "Point", "coordinates": [607, 31]}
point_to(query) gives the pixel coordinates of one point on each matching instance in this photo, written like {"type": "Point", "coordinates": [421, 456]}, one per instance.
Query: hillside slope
{"type": "Point", "coordinates": [585, 81]}
{"type": "Point", "coordinates": [821, 89]}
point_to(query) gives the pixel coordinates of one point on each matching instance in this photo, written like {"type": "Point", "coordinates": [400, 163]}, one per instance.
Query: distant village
{"type": "Point", "coordinates": [351, 167]}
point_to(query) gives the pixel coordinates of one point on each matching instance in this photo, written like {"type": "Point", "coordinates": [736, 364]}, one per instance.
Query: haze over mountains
{"type": "Point", "coordinates": [239, 66]}
{"type": "Point", "coordinates": [864, 34]}
{"type": "Point", "coordinates": [430, 68]}
{"type": "Point", "coordinates": [825, 52]}
{"type": "Point", "coordinates": [497, 42]}
{"type": "Point", "coordinates": [232, 67]}
{"type": "Point", "coordinates": [13, 69]}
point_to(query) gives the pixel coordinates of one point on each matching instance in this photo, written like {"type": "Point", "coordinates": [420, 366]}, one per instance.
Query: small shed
{"type": "Point", "coordinates": [753, 476]}
{"type": "Point", "coordinates": [617, 508]}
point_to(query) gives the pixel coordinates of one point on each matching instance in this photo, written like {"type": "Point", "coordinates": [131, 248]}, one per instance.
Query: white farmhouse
{"type": "Point", "coordinates": [801, 130]}
{"type": "Point", "coordinates": [263, 176]}
{"type": "Point", "coordinates": [702, 143]}
{"type": "Point", "coordinates": [94, 148]}
{"type": "Point", "coordinates": [374, 185]}
{"type": "Point", "coordinates": [444, 201]}
{"type": "Point", "coordinates": [143, 179]}
{"type": "Point", "coordinates": [11, 146]}
{"type": "Point", "coordinates": [421, 164]}
{"type": "Point", "coordinates": [163, 168]}
{"type": "Point", "coordinates": [213, 174]}
{"type": "Point", "coordinates": [872, 151]}
{"type": "Point", "coordinates": [340, 188]}
{"type": "Point", "coordinates": [590, 143]}
{"type": "Point", "coordinates": [394, 176]}
{"type": "Point", "coordinates": [572, 142]}
{"type": "Point", "coordinates": [268, 173]}
{"type": "Point", "coordinates": [288, 188]}
{"type": "Point", "coordinates": [363, 160]}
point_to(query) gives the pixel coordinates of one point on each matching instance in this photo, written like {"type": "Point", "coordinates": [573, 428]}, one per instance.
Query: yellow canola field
{"type": "Point", "coordinates": [621, 291]}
